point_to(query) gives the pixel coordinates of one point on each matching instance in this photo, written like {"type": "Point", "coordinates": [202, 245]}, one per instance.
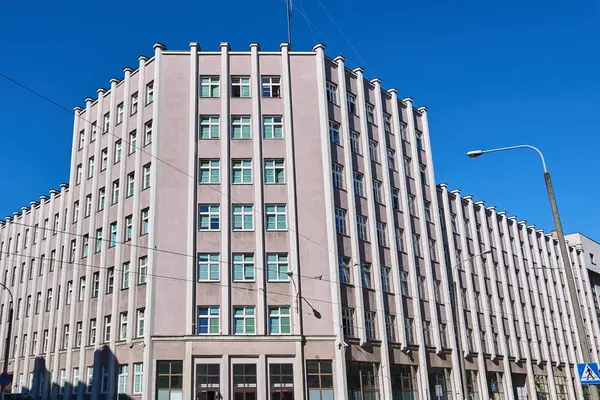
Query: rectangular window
{"type": "Point", "coordinates": [371, 113]}
{"type": "Point", "coordinates": [106, 123]}
{"type": "Point", "coordinates": [390, 328]}
{"type": "Point", "coordinates": [94, 131]}
{"type": "Point", "coordinates": [125, 276]}
{"type": "Point", "coordinates": [130, 184]}
{"type": "Point", "coordinates": [408, 166]}
{"type": "Point", "coordinates": [81, 288]}
{"type": "Point", "coordinates": [279, 320]}
{"type": "Point", "coordinates": [78, 333]}
{"type": "Point", "coordinates": [365, 275]}
{"type": "Point", "coordinates": [91, 166]}
{"type": "Point", "coordinates": [98, 240]}
{"type": "Point", "coordinates": [319, 378]}
{"type": "Point", "coordinates": [241, 127]}
{"type": "Point", "coordinates": [209, 320]}
{"type": "Point", "coordinates": [412, 206]}
{"type": "Point", "coordinates": [400, 239]}
{"type": "Point", "coordinates": [120, 113]}
{"type": "Point", "coordinates": [146, 181]}
{"type": "Point", "coordinates": [331, 92]}
{"type": "Point", "coordinates": [209, 127]}
{"type": "Point", "coordinates": [138, 377]}
{"type": "Point", "coordinates": [62, 381]}
{"type": "Point", "coordinates": [274, 172]}
{"type": "Point", "coordinates": [428, 215]}
{"type": "Point", "coordinates": [395, 199]}
{"type": "Point", "coordinates": [113, 234]}
{"type": "Point", "coordinates": [148, 133]}
{"type": "Point", "coordinates": [142, 270]}
{"type": "Point", "coordinates": [272, 127]}
{"type": "Point", "coordinates": [423, 172]}
{"type": "Point", "coordinates": [417, 245]}
{"type": "Point", "coordinates": [210, 171]}
{"type": "Point", "coordinates": [355, 142]}
{"type": "Point", "coordinates": [432, 251]}
{"type": "Point", "coordinates": [81, 140]}
{"type": "Point", "coordinates": [377, 191]}
{"type": "Point", "coordinates": [244, 320]}
{"type": "Point", "coordinates": [241, 171]}
{"type": "Point", "coordinates": [243, 267]}
{"type": "Point", "coordinates": [404, 287]}
{"type": "Point", "coordinates": [344, 269]}
{"type": "Point", "coordinates": [421, 288]}
{"type": "Point", "coordinates": [149, 92]}
{"type": "Point", "coordinates": [123, 326]}
{"type": "Point", "coordinates": [208, 217]}
{"type": "Point", "coordinates": [271, 86]}
{"type": "Point", "coordinates": [391, 159]}
{"type": "Point", "coordinates": [85, 246]}
{"type": "Point", "coordinates": [276, 217]}
{"type": "Point", "coordinates": [338, 175]}
{"type": "Point", "coordinates": [242, 217]}
{"type": "Point", "coordinates": [128, 228]}
{"type": "Point", "coordinates": [75, 217]}
{"type": "Point", "coordinates": [409, 330]}
{"type": "Point", "coordinates": [209, 267]}
{"type": "Point", "coordinates": [88, 205]}
{"type": "Point", "coordinates": [122, 371]}
{"type": "Point", "coordinates": [348, 321]}
{"type": "Point", "coordinates": [334, 133]}
{"type": "Point", "coordinates": [107, 328]}
{"type": "Point", "coordinates": [361, 225]}
{"type": "Point", "coordinates": [134, 104]}
{"type": "Point", "coordinates": [169, 380]}
{"type": "Point", "coordinates": [244, 378]}
{"type": "Point", "coordinates": [386, 279]}
{"type": "Point", "coordinates": [240, 86]}
{"type": "Point", "coordinates": [403, 130]}
{"type": "Point", "coordinates": [374, 150]}
{"type": "Point", "coordinates": [209, 86]}
{"type": "Point", "coordinates": [351, 103]}
{"type": "Point", "coordinates": [277, 267]}
{"type": "Point", "coordinates": [145, 222]}
{"type": "Point", "coordinates": [359, 188]}
{"type": "Point", "coordinates": [281, 378]}
{"type": "Point", "coordinates": [340, 221]}
{"type": "Point", "coordinates": [115, 192]}
{"type": "Point", "coordinates": [437, 290]}
{"type": "Point", "coordinates": [141, 322]}
{"type": "Point", "coordinates": [101, 199]}
{"type": "Point", "coordinates": [48, 300]}
{"type": "Point", "coordinates": [110, 280]}
{"type": "Point", "coordinates": [427, 332]}
{"type": "Point", "coordinates": [419, 141]}
{"type": "Point", "coordinates": [387, 123]}
{"type": "Point", "coordinates": [90, 380]}
{"type": "Point", "coordinates": [370, 325]}
{"type": "Point", "coordinates": [118, 151]}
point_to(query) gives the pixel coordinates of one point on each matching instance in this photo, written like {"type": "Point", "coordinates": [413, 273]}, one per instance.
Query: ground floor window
{"type": "Point", "coordinates": [362, 381]}
{"type": "Point", "coordinates": [208, 378]}
{"type": "Point", "coordinates": [281, 378]}
{"type": "Point", "coordinates": [541, 387]}
{"type": "Point", "coordinates": [404, 382]}
{"type": "Point", "coordinates": [244, 382]}
{"type": "Point", "coordinates": [472, 386]}
{"type": "Point", "coordinates": [319, 379]}
{"type": "Point", "coordinates": [560, 382]}
{"type": "Point", "coordinates": [169, 380]}
{"type": "Point", "coordinates": [494, 380]}
{"type": "Point", "coordinates": [440, 386]}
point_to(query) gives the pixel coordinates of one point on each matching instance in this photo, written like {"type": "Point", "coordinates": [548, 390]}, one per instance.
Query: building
{"type": "Point", "coordinates": [257, 224]}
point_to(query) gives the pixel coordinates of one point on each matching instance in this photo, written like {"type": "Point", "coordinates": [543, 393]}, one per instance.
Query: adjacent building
{"type": "Point", "coordinates": [267, 224]}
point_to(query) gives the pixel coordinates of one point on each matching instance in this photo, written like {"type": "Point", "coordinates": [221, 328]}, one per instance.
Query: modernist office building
{"type": "Point", "coordinates": [259, 224]}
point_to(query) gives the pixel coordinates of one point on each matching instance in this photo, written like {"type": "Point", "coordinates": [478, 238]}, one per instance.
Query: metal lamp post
{"type": "Point", "coordinates": [563, 248]}
{"type": "Point", "coordinates": [463, 372]}
{"type": "Point", "coordinates": [8, 334]}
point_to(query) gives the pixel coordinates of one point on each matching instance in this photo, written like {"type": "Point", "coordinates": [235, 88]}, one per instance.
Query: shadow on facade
{"type": "Point", "coordinates": [104, 385]}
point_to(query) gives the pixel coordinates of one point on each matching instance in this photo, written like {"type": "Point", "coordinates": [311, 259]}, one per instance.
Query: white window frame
{"type": "Point", "coordinates": [242, 211]}
{"type": "Point", "coordinates": [115, 192]}
{"type": "Point", "coordinates": [142, 269]}
{"type": "Point", "coordinates": [370, 109]}
{"type": "Point", "coordinates": [209, 127]}
{"type": "Point", "coordinates": [348, 321]}
{"type": "Point", "coordinates": [351, 103]}
{"type": "Point", "coordinates": [146, 176]}
{"type": "Point", "coordinates": [378, 191]}
{"type": "Point", "coordinates": [107, 328]}
{"type": "Point", "coordinates": [270, 86]}
{"type": "Point", "coordinates": [245, 264]}
{"type": "Point", "coordinates": [386, 279]}
{"type": "Point", "coordinates": [359, 186]}
{"type": "Point", "coordinates": [134, 104]}
{"type": "Point", "coordinates": [212, 313]}
{"type": "Point", "coordinates": [240, 83]}
{"type": "Point", "coordinates": [130, 184]}
{"type": "Point", "coordinates": [340, 221]}
{"type": "Point", "coordinates": [355, 142]}
{"type": "Point", "coordinates": [148, 133]}
{"type": "Point", "coordinates": [211, 170]}
{"type": "Point", "coordinates": [149, 92]}
{"type": "Point", "coordinates": [334, 132]}
{"type": "Point", "coordinates": [210, 87]}
{"type": "Point", "coordinates": [278, 214]}
{"type": "Point", "coordinates": [277, 316]}
{"type": "Point", "coordinates": [382, 234]}
{"type": "Point", "coordinates": [361, 227]}
{"type": "Point", "coordinates": [140, 324]}
{"type": "Point", "coordinates": [211, 263]}
{"type": "Point", "coordinates": [278, 265]}
{"type": "Point", "coordinates": [118, 151]}
{"type": "Point", "coordinates": [120, 113]}
{"type": "Point", "coordinates": [374, 150]}
{"type": "Point", "coordinates": [337, 172]}
{"type": "Point", "coordinates": [209, 213]}
{"type": "Point", "coordinates": [241, 171]}
{"type": "Point", "coordinates": [246, 313]}
{"type": "Point", "coordinates": [122, 378]}
{"type": "Point", "coordinates": [91, 166]}
{"type": "Point", "coordinates": [391, 153]}
{"type": "Point", "coordinates": [331, 92]}
{"type": "Point", "coordinates": [132, 141]}
{"type": "Point", "coordinates": [138, 378]}
{"type": "Point", "coordinates": [241, 127]}
{"type": "Point", "coordinates": [123, 325]}
{"type": "Point", "coordinates": [370, 331]}
{"type": "Point", "coordinates": [277, 169]}
{"type": "Point", "coordinates": [274, 123]}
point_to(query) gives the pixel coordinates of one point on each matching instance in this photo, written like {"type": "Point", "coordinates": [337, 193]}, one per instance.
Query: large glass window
{"type": "Point", "coordinates": [208, 320]}
{"type": "Point", "coordinates": [244, 382]}
{"type": "Point", "coordinates": [169, 380]}
{"type": "Point", "coordinates": [281, 379]}
{"type": "Point", "coordinates": [319, 379]}
{"type": "Point", "coordinates": [404, 382]}
{"type": "Point", "coordinates": [365, 373]}
{"type": "Point", "coordinates": [207, 381]}
{"type": "Point", "coordinates": [244, 320]}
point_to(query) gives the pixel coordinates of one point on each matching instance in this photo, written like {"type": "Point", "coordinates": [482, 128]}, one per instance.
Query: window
{"type": "Point", "coordinates": [423, 172]}
{"type": "Point", "coordinates": [78, 333]}
{"type": "Point", "coordinates": [432, 251]}
{"type": "Point", "coordinates": [122, 372]}
{"type": "Point", "coordinates": [34, 343]}
{"type": "Point", "coordinates": [208, 320]}
{"type": "Point", "coordinates": [408, 166]}
{"type": "Point", "coordinates": [428, 216]}
{"type": "Point", "coordinates": [409, 330]}
{"type": "Point", "coordinates": [115, 192]}
{"type": "Point", "coordinates": [106, 122]}
{"type": "Point", "coordinates": [390, 328]}
{"type": "Point", "coordinates": [243, 267]}
{"type": "Point", "coordinates": [75, 217]}
{"type": "Point", "coordinates": [404, 287]}
{"type": "Point", "coordinates": [149, 92]}
{"type": "Point", "coordinates": [241, 171]}
{"type": "Point", "coordinates": [123, 326]}
{"type": "Point", "coordinates": [453, 222]}
{"type": "Point", "coordinates": [138, 377]}
{"type": "Point", "coordinates": [419, 141]}
{"type": "Point", "coordinates": [104, 381]}
{"type": "Point", "coordinates": [118, 150]}
{"type": "Point", "coordinates": [359, 188]}
{"type": "Point", "coordinates": [340, 220]}
{"type": "Point", "coordinates": [130, 184]}
{"type": "Point", "coordinates": [421, 288]}
{"type": "Point", "coordinates": [209, 127]}
{"type": "Point", "coordinates": [125, 276]}
{"type": "Point", "coordinates": [279, 320]}
{"type": "Point", "coordinates": [417, 245]}
{"type": "Point", "coordinates": [141, 322]}
{"type": "Point", "coordinates": [65, 341]}
{"type": "Point", "coordinates": [98, 240]}
{"type": "Point", "coordinates": [361, 224]}
{"type": "Point", "coordinates": [120, 113]}
{"type": "Point", "coordinates": [101, 199]}
{"type": "Point", "coordinates": [208, 217]}
{"type": "Point", "coordinates": [374, 150]}
{"type": "Point", "coordinates": [81, 288]}
{"type": "Point", "coordinates": [27, 306]}
{"type": "Point", "coordinates": [443, 340]}
{"type": "Point", "coordinates": [81, 140]}
{"type": "Point", "coordinates": [370, 113]}
{"type": "Point", "coordinates": [348, 321]}
{"type": "Point", "coordinates": [243, 217]}
{"type": "Point", "coordinates": [107, 328]}
{"type": "Point", "coordinates": [244, 320]}
{"type": "Point", "coordinates": [370, 325]}
{"type": "Point", "coordinates": [277, 267]}
{"type": "Point", "coordinates": [148, 133]}
{"type": "Point", "coordinates": [274, 171]}
{"type": "Point", "coordinates": [412, 205]}
{"type": "Point", "coordinates": [365, 275]}
{"type": "Point", "coordinates": [344, 269]}
{"type": "Point", "coordinates": [94, 131]}
{"type": "Point", "coordinates": [377, 194]}
{"type": "Point", "coordinates": [272, 127]}
{"type": "Point", "coordinates": [48, 300]}
{"type": "Point", "coordinates": [395, 199]}
{"type": "Point", "coordinates": [271, 86]}
{"type": "Point", "coordinates": [142, 269]}
{"type": "Point", "coordinates": [207, 381]}
{"type": "Point", "coordinates": [244, 378]}
{"type": "Point", "coordinates": [90, 379]}
{"type": "Point", "coordinates": [240, 86]}
{"type": "Point", "coordinates": [387, 123]}
{"type": "Point", "coordinates": [355, 142]}
{"type": "Point", "coordinates": [437, 290]}
{"type": "Point", "coordinates": [351, 103]}
{"type": "Point", "coordinates": [334, 133]}
{"type": "Point", "coordinates": [38, 302]}
{"type": "Point", "coordinates": [134, 103]}
{"type": "Point", "coordinates": [113, 234]}
{"type": "Point", "coordinates": [210, 171]}
{"type": "Point", "coordinates": [386, 279]}
{"type": "Point", "coordinates": [241, 127]}
{"type": "Point", "coordinates": [403, 130]}
{"type": "Point", "coordinates": [91, 166]}
{"type": "Point", "coordinates": [331, 92]}
{"type": "Point", "coordinates": [427, 333]}
{"type": "Point", "coordinates": [85, 246]}
{"type": "Point", "coordinates": [145, 223]}
{"type": "Point", "coordinates": [146, 181]}
{"type": "Point", "coordinates": [391, 159]}
{"type": "Point", "coordinates": [338, 175]}
{"type": "Point", "coordinates": [62, 381]}
{"type": "Point", "coordinates": [88, 205]}
{"type": "Point", "coordinates": [128, 227]}
{"type": "Point", "coordinates": [319, 378]}
{"type": "Point", "coordinates": [281, 378]}
{"type": "Point", "coordinates": [209, 86]}
{"type": "Point", "coordinates": [110, 280]}
{"type": "Point", "coordinates": [276, 217]}
{"type": "Point", "coordinates": [208, 267]}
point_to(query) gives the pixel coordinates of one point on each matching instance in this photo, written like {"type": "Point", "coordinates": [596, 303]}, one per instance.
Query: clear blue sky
{"type": "Point", "coordinates": [491, 73]}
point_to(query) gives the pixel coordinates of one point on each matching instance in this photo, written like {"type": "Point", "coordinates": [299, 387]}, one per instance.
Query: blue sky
{"type": "Point", "coordinates": [491, 73]}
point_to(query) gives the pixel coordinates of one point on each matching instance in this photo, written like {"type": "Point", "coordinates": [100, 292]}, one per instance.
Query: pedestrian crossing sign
{"type": "Point", "coordinates": [588, 374]}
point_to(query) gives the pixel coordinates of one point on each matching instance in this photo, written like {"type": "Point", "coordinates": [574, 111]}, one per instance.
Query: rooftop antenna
{"type": "Point", "coordinates": [289, 5]}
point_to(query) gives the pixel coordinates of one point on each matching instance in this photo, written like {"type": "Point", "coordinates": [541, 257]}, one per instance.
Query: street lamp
{"type": "Point", "coordinates": [463, 372]}
{"type": "Point", "coordinates": [8, 333]}
{"type": "Point", "coordinates": [562, 245]}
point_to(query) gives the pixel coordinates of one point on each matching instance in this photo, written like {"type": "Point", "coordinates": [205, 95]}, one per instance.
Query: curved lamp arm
{"type": "Point", "coordinates": [477, 153]}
